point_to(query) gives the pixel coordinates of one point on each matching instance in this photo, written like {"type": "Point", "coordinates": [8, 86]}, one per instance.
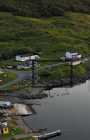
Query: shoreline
{"type": "Point", "coordinates": [49, 84]}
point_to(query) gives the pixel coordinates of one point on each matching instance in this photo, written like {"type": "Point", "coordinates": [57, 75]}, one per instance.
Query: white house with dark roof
{"type": "Point", "coordinates": [73, 56]}
{"type": "Point", "coordinates": [22, 58]}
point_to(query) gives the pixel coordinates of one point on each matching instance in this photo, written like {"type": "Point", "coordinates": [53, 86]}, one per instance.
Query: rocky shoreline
{"type": "Point", "coordinates": [36, 91]}
{"type": "Point", "coordinates": [49, 84]}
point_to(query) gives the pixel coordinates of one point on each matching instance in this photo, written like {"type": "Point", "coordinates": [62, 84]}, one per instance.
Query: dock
{"type": "Point", "coordinates": [48, 135]}
{"type": "Point", "coordinates": [39, 137]}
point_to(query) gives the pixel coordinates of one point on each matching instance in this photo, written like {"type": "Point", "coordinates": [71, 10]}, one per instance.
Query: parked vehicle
{"type": "Point", "coordinates": [5, 104]}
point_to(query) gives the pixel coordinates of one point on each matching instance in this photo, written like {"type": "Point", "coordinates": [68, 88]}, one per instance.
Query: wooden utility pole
{"type": "Point", "coordinates": [71, 72]}
{"type": "Point", "coordinates": [33, 72]}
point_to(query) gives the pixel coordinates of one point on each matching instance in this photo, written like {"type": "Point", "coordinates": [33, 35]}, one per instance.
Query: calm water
{"type": "Point", "coordinates": [68, 110]}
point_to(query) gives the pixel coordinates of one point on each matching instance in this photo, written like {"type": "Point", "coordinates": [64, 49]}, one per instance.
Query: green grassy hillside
{"type": "Point", "coordinates": [50, 37]}
{"type": "Point", "coordinates": [23, 28]}
{"type": "Point", "coordinates": [45, 27]}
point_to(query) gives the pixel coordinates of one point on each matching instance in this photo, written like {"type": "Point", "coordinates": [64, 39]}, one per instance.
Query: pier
{"type": "Point", "coordinates": [39, 137]}
{"type": "Point", "coordinates": [48, 135]}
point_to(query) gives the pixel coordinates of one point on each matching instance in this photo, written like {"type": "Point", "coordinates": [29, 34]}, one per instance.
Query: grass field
{"type": "Point", "coordinates": [49, 37]}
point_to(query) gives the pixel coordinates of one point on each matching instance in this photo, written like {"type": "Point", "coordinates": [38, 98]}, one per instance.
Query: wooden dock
{"type": "Point", "coordinates": [38, 136]}
{"type": "Point", "coordinates": [48, 135]}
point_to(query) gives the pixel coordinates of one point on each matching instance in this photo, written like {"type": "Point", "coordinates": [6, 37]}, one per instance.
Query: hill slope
{"type": "Point", "coordinates": [49, 37]}
{"type": "Point", "coordinates": [53, 35]}
{"type": "Point", "coordinates": [44, 8]}
{"type": "Point", "coordinates": [65, 26]}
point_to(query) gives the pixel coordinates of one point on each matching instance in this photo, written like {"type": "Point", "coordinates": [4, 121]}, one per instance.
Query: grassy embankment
{"type": "Point", "coordinates": [6, 77]}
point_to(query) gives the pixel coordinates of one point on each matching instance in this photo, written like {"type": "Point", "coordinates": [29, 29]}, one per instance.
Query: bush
{"type": "Point", "coordinates": [44, 8]}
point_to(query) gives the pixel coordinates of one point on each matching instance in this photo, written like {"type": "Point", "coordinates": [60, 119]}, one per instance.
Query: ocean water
{"type": "Point", "coordinates": [67, 109]}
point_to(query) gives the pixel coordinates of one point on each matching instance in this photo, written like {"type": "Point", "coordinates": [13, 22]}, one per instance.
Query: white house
{"type": "Point", "coordinates": [22, 58]}
{"type": "Point", "coordinates": [74, 56]}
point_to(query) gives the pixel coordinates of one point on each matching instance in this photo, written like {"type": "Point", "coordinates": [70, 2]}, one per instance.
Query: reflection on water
{"type": "Point", "coordinates": [65, 92]}
{"type": "Point", "coordinates": [70, 113]}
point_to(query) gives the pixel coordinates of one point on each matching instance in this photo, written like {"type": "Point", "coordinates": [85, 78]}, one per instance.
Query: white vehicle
{"type": "Point", "coordinates": [5, 104]}
{"type": "Point", "coordinates": [34, 57]}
